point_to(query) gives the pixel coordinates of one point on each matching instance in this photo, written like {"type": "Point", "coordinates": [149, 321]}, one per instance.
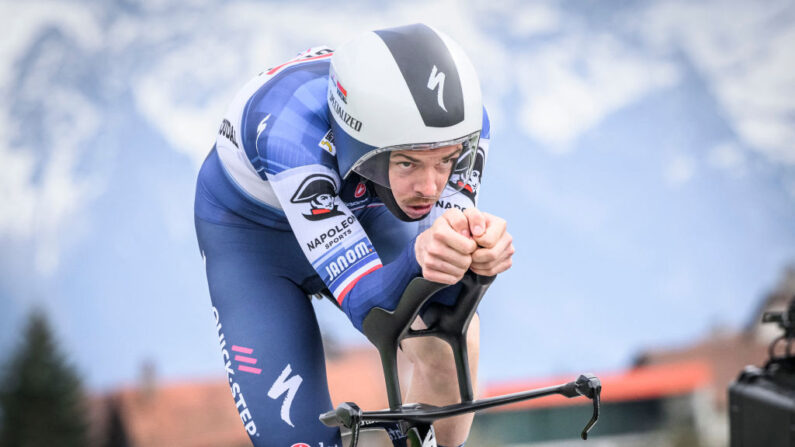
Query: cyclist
{"type": "Point", "coordinates": [353, 171]}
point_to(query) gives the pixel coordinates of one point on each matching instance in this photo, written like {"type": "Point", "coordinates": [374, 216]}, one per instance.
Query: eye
{"type": "Point", "coordinates": [405, 164]}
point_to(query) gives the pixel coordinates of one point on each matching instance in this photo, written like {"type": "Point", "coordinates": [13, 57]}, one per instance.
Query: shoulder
{"type": "Point", "coordinates": [282, 115]}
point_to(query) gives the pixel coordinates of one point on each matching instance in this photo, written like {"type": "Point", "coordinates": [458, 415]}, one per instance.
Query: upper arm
{"type": "Point", "coordinates": [330, 236]}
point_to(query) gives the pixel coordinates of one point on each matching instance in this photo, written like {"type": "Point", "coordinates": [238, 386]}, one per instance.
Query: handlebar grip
{"type": "Point", "coordinates": [345, 415]}
{"type": "Point", "coordinates": [330, 419]}
{"type": "Point", "coordinates": [482, 279]}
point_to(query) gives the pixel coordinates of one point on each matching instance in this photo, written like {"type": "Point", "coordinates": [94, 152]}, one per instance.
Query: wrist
{"type": "Point", "coordinates": [414, 247]}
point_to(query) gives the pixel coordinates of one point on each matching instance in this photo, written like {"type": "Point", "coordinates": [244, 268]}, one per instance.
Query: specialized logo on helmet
{"type": "Point", "coordinates": [431, 73]}
{"type": "Point", "coordinates": [437, 79]}
{"type": "Point", "coordinates": [319, 190]}
{"type": "Point", "coordinates": [346, 118]}
{"type": "Point", "coordinates": [468, 182]}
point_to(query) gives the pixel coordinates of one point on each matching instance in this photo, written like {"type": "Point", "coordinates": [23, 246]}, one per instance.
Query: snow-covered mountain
{"type": "Point", "coordinates": [642, 155]}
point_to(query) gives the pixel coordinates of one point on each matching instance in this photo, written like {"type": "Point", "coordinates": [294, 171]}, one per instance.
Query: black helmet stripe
{"type": "Point", "coordinates": [430, 74]}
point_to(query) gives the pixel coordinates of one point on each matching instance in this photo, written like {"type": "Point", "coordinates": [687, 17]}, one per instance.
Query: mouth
{"type": "Point", "coordinates": [415, 211]}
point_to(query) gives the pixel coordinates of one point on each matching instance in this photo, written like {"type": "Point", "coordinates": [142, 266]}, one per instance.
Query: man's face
{"type": "Point", "coordinates": [324, 201]}
{"type": "Point", "coordinates": [417, 178]}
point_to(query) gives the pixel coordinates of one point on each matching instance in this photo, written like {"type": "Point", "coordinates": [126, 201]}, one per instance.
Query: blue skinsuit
{"type": "Point", "coordinates": [275, 222]}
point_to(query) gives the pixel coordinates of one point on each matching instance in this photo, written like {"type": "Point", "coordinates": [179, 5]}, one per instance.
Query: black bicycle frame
{"type": "Point", "coordinates": [386, 329]}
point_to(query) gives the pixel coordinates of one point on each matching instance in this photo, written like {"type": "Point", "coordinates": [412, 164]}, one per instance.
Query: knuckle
{"type": "Point", "coordinates": [432, 265]}
{"type": "Point", "coordinates": [433, 251]}
{"type": "Point", "coordinates": [427, 261]}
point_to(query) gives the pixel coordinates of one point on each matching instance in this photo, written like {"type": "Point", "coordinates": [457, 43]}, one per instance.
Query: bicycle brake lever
{"type": "Point", "coordinates": [593, 420]}
{"type": "Point", "coordinates": [347, 415]}
{"type": "Point", "coordinates": [590, 386]}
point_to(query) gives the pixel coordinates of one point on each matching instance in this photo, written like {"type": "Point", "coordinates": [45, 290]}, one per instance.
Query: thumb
{"type": "Point", "coordinates": [476, 221]}
{"type": "Point", "coordinates": [457, 221]}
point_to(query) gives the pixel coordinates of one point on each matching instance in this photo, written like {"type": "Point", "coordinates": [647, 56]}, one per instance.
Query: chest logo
{"type": "Point", "coordinates": [360, 190]}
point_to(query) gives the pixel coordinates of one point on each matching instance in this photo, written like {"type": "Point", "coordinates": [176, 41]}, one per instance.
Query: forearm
{"type": "Point", "coordinates": [382, 287]}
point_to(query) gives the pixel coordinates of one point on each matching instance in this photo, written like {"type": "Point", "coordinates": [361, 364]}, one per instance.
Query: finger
{"type": "Point", "coordinates": [456, 220]}
{"type": "Point", "coordinates": [505, 255]}
{"type": "Point", "coordinates": [460, 243]}
{"type": "Point", "coordinates": [495, 229]}
{"type": "Point", "coordinates": [494, 270]}
{"type": "Point", "coordinates": [501, 250]}
{"type": "Point", "coordinates": [448, 255]}
{"type": "Point", "coordinates": [446, 268]}
{"type": "Point", "coordinates": [476, 220]}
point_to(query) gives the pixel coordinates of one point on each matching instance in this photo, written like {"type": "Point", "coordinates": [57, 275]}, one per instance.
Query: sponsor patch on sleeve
{"type": "Point", "coordinates": [327, 143]}
{"type": "Point", "coordinates": [343, 267]}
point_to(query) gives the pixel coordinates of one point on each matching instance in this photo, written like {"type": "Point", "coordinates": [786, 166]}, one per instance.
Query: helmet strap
{"type": "Point", "coordinates": [386, 196]}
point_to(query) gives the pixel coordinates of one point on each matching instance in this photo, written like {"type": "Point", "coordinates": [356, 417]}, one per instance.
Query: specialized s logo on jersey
{"type": "Point", "coordinates": [283, 385]}
{"type": "Point", "coordinates": [319, 191]}
{"type": "Point", "coordinates": [468, 184]}
{"type": "Point", "coordinates": [263, 125]}
{"type": "Point", "coordinates": [327, 143]}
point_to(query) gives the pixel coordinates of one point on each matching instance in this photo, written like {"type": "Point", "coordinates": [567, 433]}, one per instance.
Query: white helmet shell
{"type": "Point", "coordinates": [410, 85]}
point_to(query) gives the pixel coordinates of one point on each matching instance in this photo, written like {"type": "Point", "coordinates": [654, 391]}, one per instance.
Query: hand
{"type": "Point", "coordinates": [444, 250]}
{"type": "Point", "coordinates": [495, 244]}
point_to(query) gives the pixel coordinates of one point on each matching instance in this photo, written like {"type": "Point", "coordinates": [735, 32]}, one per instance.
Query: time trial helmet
{"type": "Point", "coordinates": [409, 88]}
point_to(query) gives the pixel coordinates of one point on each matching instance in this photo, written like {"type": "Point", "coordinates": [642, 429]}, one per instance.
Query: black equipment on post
{"type": "Point", "coordinates": [762, 400]}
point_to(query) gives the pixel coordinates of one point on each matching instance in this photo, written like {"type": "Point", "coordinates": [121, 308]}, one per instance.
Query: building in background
{"type": "Point", "coordinates": [203, 414]}
{"type": "Point", "coordinates": [672, 397]}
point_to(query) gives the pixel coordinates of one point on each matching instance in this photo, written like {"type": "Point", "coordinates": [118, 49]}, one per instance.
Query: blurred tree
{"type": "Point", "coordinates": [41, 398]}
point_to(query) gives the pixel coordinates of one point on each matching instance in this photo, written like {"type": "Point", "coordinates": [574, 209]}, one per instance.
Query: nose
{"type": "Point", "coordinates": [426, 184]}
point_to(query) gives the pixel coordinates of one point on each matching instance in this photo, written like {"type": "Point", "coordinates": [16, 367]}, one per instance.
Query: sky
{"type": "Point", "coordinates": [642, 153]}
